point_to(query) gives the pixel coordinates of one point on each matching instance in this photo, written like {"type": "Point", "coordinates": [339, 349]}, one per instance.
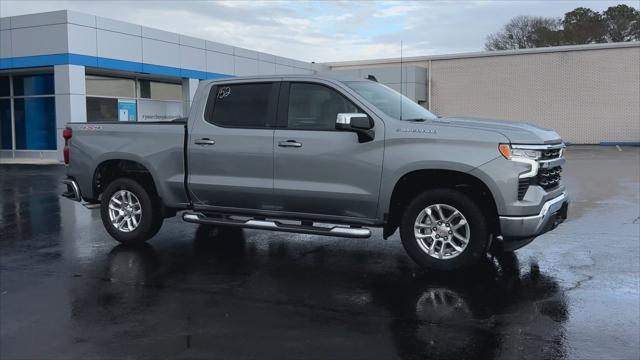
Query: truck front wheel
{"type": "Point", "coordinates": [128, 212]}
{"type": "Point", "coordinates": [443, 229]}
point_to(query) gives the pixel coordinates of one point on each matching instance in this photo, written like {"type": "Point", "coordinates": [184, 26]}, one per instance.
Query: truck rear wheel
{"type": "Point", "coordinates": [129, 214]}
{"type": "Point", "coordinates": [443, 229]}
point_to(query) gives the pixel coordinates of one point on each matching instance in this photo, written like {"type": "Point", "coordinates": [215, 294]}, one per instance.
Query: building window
{"type": "Point", "coordinates": [160, 90]}
{"type": "Point", "coordinates": [110, 98]}
{"type": "Point", "coordinates": [31, 85]}
{"type": "Point", "coordinates": [102, 109]}
{"type": "Point", "coordinates": [31, 124]}
{"type": "Point", "coordinates": [35, 123]}
{"type": "Point", "coordinates": [153, 110]}
{"type": "Point", "coordinates": [110, 86]}
{"type": "Point", "coordinates": [123, 99]}
{"type": "Point", "coordinates": [4, 86]}
{"type": "Point", "coordinates": [159, 101]}
{"type": "Point", "coordinates": [6, 142]}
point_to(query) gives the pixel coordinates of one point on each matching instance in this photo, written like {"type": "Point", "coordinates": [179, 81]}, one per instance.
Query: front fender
{"type": "Point", "coordinates": [443, 149]}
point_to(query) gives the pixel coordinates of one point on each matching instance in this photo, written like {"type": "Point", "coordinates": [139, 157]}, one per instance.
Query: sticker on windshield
{"type": "Point", "coordinates": [224, 92]}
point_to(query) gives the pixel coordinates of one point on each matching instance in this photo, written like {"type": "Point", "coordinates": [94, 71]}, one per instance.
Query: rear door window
{"type": "Point", "coordinates": [243, 105]}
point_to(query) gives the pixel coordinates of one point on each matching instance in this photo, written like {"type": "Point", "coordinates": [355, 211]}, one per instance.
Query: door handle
{"type": "Point", "coordinates": [204, 141]}
{"type": "Point", "coordinates": [290, 143]}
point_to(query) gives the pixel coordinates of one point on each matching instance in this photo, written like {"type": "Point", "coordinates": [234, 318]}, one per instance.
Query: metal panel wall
{"type": "Point", "coordinates": [39, 40]}
{"type": "Point", "coordinates": [414, 78]}
{"type": "Point", "coordinates": [588, 96]}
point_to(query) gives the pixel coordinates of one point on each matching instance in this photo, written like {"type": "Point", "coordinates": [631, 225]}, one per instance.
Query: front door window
{"type": "Point", "coordinates": [315, 107]}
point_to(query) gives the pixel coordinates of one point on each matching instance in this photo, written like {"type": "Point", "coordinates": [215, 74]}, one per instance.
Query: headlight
{"type": "Point", "coordinates": [509, 153]}
{"type": "Point", "coordinates": [526, 156]}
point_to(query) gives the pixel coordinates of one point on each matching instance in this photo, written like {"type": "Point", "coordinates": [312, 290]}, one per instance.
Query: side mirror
{"type": "Point", "coordinates": [359, 123]}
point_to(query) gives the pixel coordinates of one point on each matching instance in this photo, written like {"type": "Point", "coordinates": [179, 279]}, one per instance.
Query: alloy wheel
{"type": "Point", "coordinates": [125, 211]}
{"type": "Point", "coordinates": [442, 231]}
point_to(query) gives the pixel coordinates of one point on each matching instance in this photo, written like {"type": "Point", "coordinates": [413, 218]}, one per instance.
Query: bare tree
{"type": "Point", "coordinates": [524, 32]}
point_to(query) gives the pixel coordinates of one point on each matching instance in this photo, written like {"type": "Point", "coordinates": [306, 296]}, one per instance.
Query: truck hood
{"type": "Point", "coordinates": [516, 132]}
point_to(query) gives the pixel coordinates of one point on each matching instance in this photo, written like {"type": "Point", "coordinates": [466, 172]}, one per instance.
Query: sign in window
{"type": "Point", "coordinates": [126, 110]}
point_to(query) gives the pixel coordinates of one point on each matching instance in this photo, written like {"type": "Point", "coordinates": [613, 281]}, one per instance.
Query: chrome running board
{"type": "Point", "coordinates": [73, 190]}
{"type": "Point", "coordinates": [336, 230]}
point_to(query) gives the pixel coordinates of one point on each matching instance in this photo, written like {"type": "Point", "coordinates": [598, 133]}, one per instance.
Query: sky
{"type": "Point", "coordinates": [324, 31]}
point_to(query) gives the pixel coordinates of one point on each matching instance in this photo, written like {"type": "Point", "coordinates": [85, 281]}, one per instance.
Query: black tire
{"type": "Point", "coordinates": [151, 217]}
{"type": "Point", "coordinates": [478, 236]}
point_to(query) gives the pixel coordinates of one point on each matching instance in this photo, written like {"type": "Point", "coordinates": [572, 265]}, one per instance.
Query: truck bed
{"type": "Point", "coordinates": [157, 146]}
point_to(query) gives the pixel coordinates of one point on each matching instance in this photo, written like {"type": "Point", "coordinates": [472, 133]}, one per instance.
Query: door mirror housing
{"type": "Point", "coordinates": [359, 123]}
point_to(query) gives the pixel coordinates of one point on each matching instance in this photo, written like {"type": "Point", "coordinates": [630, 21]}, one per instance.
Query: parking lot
{"type": "Point", "coordinates": [68, 291]}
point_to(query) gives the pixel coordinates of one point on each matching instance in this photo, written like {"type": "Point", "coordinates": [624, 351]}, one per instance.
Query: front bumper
{"type": "Point", "coordinates": [553, 213]}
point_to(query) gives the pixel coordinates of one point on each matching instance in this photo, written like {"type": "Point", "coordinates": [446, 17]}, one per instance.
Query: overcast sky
{"type": "Point", "coordinates": [323, 31]}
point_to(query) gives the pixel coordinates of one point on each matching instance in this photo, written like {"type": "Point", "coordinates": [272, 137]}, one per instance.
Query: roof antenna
{"type": "Point", "coordinates": [401, 80]}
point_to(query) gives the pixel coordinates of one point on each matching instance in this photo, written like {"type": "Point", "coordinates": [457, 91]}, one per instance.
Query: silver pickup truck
{"type": "Point", "coordinates": [324, 155]}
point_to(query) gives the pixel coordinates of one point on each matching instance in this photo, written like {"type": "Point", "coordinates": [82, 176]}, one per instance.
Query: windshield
{"type": "Point", "coordinates": [388, 101]}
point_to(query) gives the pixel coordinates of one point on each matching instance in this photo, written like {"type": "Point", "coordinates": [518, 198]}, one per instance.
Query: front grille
{"type": "Point", "coordinates": [550, 154]}
{"type": "Point", "coordinates": [549, 168]}
{"type": "Point", "coordinates": [523, 186]}
{"type": "Point", "coordinates": [549, 178]}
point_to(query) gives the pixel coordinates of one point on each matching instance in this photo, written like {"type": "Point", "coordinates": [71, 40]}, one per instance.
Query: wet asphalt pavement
{"type": "Point", "coordinates": [68, 291]}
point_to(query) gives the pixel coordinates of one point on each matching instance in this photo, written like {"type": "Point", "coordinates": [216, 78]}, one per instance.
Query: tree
{"type": "Point", "coordinates": [583, 26]}
{"type": "Point", "coordinates": [524, 32]}
{"type": "Point", "coordinates": [545, 36]}
{"type": "Point", "coordinates": [622, 23]}
{"type": "Point", "coordinates": [579, 26]}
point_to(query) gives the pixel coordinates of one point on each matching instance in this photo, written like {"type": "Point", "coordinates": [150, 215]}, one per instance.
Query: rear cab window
{"type": "Point", "coordinates": [244, 105]}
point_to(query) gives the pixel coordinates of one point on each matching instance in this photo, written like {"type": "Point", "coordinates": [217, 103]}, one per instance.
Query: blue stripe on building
{"type": "Point", "coordinates": [104, 63]}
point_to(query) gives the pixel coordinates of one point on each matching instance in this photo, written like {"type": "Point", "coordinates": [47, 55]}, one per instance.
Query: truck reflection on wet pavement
{"type": "Point", "coordinates": [69, 291]}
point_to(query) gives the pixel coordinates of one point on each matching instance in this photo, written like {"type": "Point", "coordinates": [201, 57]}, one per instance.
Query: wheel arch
{"type": "Point", "coordinates": [413, 182]}
{"type": "Point", "coordinates": [114, 167]}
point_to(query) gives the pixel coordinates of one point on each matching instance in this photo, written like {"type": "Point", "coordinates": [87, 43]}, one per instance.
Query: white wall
{"type": "Point", "coordinates": [70, 98]}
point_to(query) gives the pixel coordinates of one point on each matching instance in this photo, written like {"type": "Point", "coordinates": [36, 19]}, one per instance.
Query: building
{"type": "Point", "coordinates": [65, 66]}
{"type": "Point", "coordinates": [590, 94]}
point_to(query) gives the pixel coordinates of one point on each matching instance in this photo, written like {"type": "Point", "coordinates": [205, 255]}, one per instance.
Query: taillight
{"type": "Point", "coordinates": [66, 134]}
